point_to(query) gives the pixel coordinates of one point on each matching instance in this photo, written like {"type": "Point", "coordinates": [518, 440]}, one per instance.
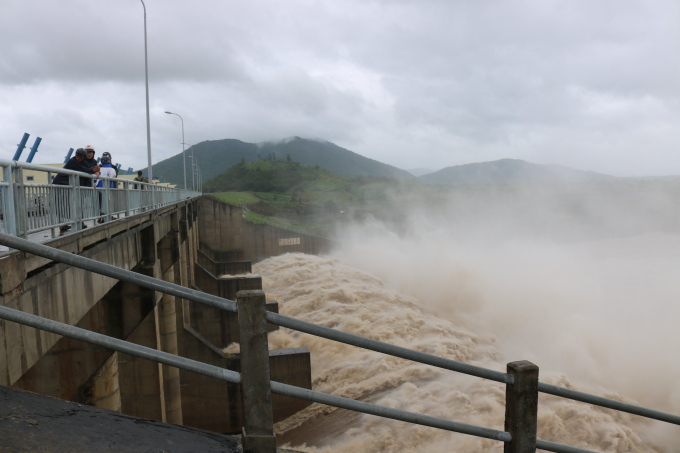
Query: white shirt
{"type": "Point", "coordinates": [106, 172]}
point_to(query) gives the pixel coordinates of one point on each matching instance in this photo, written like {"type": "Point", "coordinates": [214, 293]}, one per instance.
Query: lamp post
{"type": "Point", "coordinates": [183, 158]}
{"type": "Point", "coordinates": [193, 183]}
{"type": "Point", "coordinates": [148, 122]}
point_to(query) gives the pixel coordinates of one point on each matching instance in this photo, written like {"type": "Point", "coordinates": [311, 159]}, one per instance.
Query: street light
{"type": "Point", "coordinates": [148, 121]}
{"type": "Point", "coordinates": [183, 158]}
{"type": "Point", "coordinates": [196, 170]}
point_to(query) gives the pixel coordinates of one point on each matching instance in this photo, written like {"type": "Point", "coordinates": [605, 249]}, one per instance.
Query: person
{"type": "Point", "coordinates": [108, 154]}
{"type": "Point", "coordinates": [106, 171]}
{"type": "Point", "coordinates": [140, 178]}
{"type": "Point", "coordinates": [76, 163]}
{"type": "Point", "coordinates": [90, 161]}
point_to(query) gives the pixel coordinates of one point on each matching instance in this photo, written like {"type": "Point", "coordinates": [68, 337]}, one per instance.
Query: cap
{"type": "Point", "coordinates": [89, 149]}
{"type": "Point", "coordinates": [81, 152]}
{"type": "Point", "coordinates": [106, 153]}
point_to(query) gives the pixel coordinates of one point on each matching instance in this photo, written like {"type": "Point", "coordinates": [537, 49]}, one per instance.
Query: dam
{"type": "Point", "coordinates": [124, 325]}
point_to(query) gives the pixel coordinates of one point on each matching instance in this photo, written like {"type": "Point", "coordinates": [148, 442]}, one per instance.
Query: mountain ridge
{"type": "Point", "coordinates": [511, 171]}
{"type": "Point", "coordinates": [216, 156]}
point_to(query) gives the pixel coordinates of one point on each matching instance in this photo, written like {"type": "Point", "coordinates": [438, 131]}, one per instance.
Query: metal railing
{"type": "Point", "coordinates": [310, 328]}
{"type": "Point", "coordinates": [28, 208]}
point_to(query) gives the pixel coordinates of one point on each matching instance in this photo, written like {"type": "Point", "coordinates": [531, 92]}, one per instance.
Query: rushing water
{"type": "Point", "coordinates": [598, 316]}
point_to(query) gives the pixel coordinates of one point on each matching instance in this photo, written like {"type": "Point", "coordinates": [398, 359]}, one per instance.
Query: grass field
{"type": "Point", "coordinates": [236, 198]}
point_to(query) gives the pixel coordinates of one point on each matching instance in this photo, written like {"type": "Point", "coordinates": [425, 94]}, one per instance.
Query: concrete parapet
{"type": "Point", "coordinates": [215, 405]}
{"type": "Point", "coordinates": [220, 268]}
{"type": "Point", "coordinates": [222, 256]}
{"type": "Point", "coordinates": [222, 227]}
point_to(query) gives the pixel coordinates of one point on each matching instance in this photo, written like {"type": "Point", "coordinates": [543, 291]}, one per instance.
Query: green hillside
{"type": "Point", "coordinates": [280, 176]}
{"type": "Point", "coordinates": [216, 156]}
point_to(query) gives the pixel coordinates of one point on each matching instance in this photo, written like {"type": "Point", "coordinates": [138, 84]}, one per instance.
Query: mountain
{"type": "Point", "coordinates": [511, 171]}
{"type": "Point", "coordinates": [216, 156]}
{"type": "Point", "coordinates": [280, 176]}
{"type": "Point", "coordinates": [420, 171]}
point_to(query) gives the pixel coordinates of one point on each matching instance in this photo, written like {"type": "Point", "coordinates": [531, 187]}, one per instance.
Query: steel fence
{"type": "Point", "coordinates": [313, 329]}
{"type": "Point", "coordinates": [28, 208]}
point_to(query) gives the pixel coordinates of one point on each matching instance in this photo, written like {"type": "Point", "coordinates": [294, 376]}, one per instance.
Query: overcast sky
{"type": "Point", "coordinates": [591, 85]}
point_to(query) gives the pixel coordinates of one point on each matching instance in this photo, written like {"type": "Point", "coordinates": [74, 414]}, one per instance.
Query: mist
{"type": "Point", "coordinates": [582, 281]}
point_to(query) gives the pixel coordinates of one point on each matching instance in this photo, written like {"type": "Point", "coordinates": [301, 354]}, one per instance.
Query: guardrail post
{"type": "Point", "coordinates": [8, 211]}
{"type": "Point", "coordinates": [106, 199]}
{"type": "Point", "coordinates": [74, 202]}
{"type": "Point", "coordinates": [126, 188]}
{"type": "Point", "coordinates": [521, 407]}
{"type": "Point", "coordinates": [258, 429]}
{"type": "Point", "coordinates": [20, 206]}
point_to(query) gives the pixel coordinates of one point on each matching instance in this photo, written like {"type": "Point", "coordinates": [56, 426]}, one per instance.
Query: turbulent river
{"type": "Point", "coordinates": [598, 316]}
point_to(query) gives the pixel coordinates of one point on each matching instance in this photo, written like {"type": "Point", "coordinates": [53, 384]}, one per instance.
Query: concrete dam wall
{"type": "Point", "coordinates": [201, 244]}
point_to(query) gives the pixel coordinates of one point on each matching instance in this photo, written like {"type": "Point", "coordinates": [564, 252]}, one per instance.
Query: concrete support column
{"type": "Point", "coordinates": [521, 407]}
{"type": "Point", "coordinates": [141, 389]}
{"type": "Point", "coordinates": [103, 389]}
{"type": "Point", "coordinates": [167, 323]}
{"type": "Point", "coordinates": [258, 429]}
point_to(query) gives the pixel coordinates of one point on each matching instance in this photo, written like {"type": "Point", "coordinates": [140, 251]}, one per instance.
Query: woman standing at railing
{"type": "Point", "coordinates": [76, 163]}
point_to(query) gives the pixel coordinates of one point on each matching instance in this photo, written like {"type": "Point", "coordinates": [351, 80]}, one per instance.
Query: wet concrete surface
{"type": "Point", "coordinates": [35, 423]}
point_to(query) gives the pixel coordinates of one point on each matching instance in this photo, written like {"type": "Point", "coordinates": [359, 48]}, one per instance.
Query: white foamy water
{"type": "Point", "coordinates": [486, 307]}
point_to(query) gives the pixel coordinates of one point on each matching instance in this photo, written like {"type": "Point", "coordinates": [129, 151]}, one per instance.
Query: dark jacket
{"type": "Point", "coordinates": [90, 163]}
{"type": "Point", "coordinates": [74, 165]}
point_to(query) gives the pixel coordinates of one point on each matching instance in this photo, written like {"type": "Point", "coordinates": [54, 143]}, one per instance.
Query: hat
{"type": "Point", "coordinates": [106, 153]}
{"type": "Point", "coordinates": [81, 152]}
{"type": "Point", "coordinates": [89, 149]}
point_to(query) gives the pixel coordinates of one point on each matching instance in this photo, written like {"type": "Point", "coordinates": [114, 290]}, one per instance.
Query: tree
{"type": "Point", "coordinates": [288, 158]}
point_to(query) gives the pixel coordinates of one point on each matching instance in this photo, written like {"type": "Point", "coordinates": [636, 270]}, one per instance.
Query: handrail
{"type": "Point", "coordinates": [333, 334]}
{"type": "Point", "coordinates": [29, 207]}
{"type": "Point", "coordinates": [48, 169]}
{"type": "Point", "coordinates": [183, 363]}
{"type": "Point", "coordinates": [229, 305]}
{"type": "Point", "coordinates": [608, 403]}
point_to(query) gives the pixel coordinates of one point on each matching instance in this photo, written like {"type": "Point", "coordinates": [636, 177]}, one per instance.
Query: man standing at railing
{"type": "Point", "coordinates": [76, 163]}
{"type": "Point", "coordinates": [106, 171]}
{"type": "Point", "coordinates": [140, 178]}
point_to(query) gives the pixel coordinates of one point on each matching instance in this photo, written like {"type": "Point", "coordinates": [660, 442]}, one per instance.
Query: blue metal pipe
{"type": "Point", "coordinates": [68, 155]}
{"type": "Point", "coordinates": [34, 149]}
{"type": "Point", "coordinates": [130, 171]}
{"type": "Point", "coordinates": [98, 159]}
{"type": "Point", "coordinates": [118, 167]}
{"type": "Point", "coordinates": [21, 146]}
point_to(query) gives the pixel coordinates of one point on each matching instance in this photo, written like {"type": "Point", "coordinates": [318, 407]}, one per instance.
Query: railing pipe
{"type": "Point", "coordinates": [228, 305]}
{"type": "Point", "coordinates": [559, 448]}
{"type": "Point", "coordinates": [385, 348]}
{"type": "Point", "coordinates": [165, 358]}
{"type": "Point", "coordinates": [608, 403]}
{"type": "Point", "coordinates": [313, 329]}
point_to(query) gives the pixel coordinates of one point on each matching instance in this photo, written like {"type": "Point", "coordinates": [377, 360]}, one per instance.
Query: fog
{"type": "Point", "coordinates": [589, 295]}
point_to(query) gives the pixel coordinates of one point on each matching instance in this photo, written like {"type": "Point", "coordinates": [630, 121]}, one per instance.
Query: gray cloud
{"type": "Point", "coordinates": [590, 85]}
